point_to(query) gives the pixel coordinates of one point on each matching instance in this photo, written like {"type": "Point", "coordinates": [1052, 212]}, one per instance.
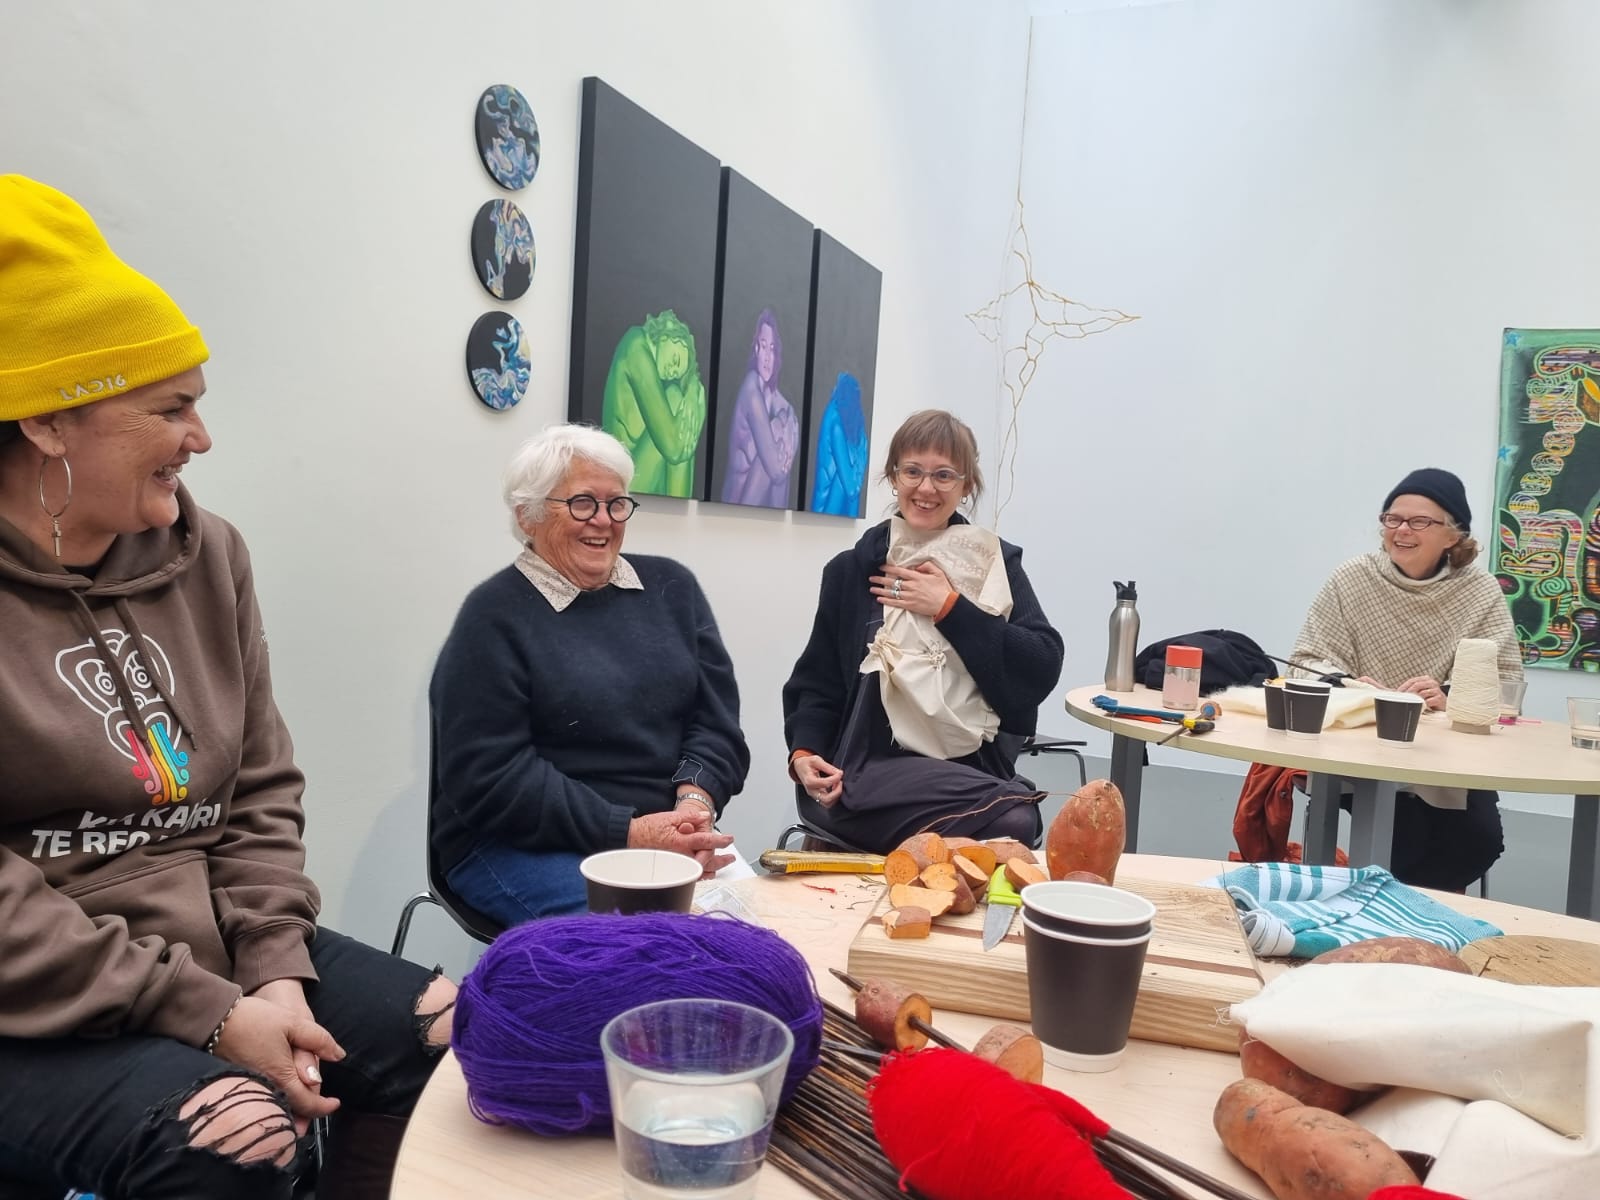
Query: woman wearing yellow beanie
{"type": "Point", "coordinates": [171, 1014]}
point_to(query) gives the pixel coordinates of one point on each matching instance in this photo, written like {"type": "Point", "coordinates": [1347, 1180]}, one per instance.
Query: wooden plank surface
{"type": "Point", "coordinates": [1526, 958]}
{"type": "Point", "coordinates": [1198, 963]}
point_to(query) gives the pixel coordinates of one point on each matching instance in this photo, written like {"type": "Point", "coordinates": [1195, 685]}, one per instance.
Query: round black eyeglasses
{"type": "Point", "coordinates": [583, 506]}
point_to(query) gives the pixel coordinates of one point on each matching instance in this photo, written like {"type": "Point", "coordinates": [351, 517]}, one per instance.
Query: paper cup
{"type": "Point", "coordinates": [631, 881]}
{"type": "Point", "coordinates": [1399, 714]}
{"type": "Point", "coordinates": [1304, 707]}
{"type": "Point", "coordinates": [1275, 716]}
{"type": "Point", "coordinates": [1085, 946]}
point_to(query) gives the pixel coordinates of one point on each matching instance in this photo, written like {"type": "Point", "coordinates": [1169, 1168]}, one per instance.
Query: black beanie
{"type": "Point", "coordinates": [1438, 485]}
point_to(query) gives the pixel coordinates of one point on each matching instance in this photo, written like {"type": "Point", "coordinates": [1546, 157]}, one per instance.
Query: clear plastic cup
{"type": "Point", "coordinates": [1583, 712]}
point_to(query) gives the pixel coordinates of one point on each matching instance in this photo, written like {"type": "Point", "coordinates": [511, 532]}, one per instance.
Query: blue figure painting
{"type": "Point", "coordinates": [841, 451]}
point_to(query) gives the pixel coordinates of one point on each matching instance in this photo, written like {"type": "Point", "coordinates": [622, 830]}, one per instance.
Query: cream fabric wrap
{"type": "Point", "coordinates": [1500, 1082]}
{"type": "Point", "coordinates": [932, 702]}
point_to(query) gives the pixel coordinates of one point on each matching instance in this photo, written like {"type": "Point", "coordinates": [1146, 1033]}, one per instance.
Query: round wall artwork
{"type": "Point", "coordinates": [497, 359]}
{"type": "Point", "coordinates": [508, 136]}
{"type": "Point", "coordinates": [502, 249]}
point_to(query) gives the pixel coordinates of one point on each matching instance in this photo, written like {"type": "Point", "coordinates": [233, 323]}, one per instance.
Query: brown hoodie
{"type": "Point", "coordinates": [150, 853]}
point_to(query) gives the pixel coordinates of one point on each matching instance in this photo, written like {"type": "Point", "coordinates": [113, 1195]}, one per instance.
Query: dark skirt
{"type": "Point", "coordinates": [891, 793]}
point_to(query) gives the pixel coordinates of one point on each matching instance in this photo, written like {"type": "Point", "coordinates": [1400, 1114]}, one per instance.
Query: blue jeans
{"type": "Point", "coordinates": [514, 886]}
{"type": "Point", "coordinates": [101, 1113]}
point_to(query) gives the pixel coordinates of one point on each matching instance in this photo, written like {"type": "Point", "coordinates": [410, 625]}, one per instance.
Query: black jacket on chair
{"type": "Point", "coordinates": [1228, 659]}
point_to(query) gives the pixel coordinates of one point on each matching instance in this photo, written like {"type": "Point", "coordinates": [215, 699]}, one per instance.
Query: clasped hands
{"type": "Point", "coordinates": [1426, 686]}
{"type": "Point", "coordinates": [272, 1031]}
{"type": "Point", "coordinates": [688, 829]}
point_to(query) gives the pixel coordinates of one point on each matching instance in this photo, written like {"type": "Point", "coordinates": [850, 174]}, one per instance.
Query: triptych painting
{"type": "Point", "coordinates": [729, 344]}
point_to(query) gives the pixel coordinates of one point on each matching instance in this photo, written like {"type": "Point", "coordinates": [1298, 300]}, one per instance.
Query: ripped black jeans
{"type": "Point", "coordinates": [101, 1115]}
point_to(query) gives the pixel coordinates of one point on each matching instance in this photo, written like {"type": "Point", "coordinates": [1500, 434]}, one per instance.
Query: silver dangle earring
{"type": "Point", "coordinates": [55, 517]}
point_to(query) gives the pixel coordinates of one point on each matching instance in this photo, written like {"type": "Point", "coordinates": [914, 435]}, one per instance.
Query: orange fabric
{"type": "Point", "coordinates": [944, 609]}
{"type": "Point", "coordinates": [1261, 821]}
{"type": "Point", "coordinates": [794, 755]}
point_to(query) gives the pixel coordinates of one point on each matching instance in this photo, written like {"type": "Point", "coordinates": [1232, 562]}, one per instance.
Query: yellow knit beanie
{"type": "Point", "coordinates": [77, 324]}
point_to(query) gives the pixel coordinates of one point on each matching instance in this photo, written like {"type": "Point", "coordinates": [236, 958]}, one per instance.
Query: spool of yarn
{"type": "Point", "coordinates": [1474, 703]}
{"type": "Point", "coordinates": [528, 1017]}
{"type": "Point", "coordinates": [1013, 1138]}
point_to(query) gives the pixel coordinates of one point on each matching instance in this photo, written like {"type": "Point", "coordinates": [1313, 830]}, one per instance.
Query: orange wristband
{"type": "Point", "coordinates": [794, 754]}
{"type": "Point", "coordinates": [944, 609]}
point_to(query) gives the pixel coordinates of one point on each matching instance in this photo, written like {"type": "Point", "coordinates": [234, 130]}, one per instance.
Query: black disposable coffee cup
{"type": "Point", "coordinates": [1305, 704]}
{"type": "Point", "coordinates": [1085, 946]}
{"type": "Point", "coordinates": [1399, 714]}
{"type": "Point", "coordinates": [1274, 695]}
{"type": "Point", "coordinates": [633, 881]}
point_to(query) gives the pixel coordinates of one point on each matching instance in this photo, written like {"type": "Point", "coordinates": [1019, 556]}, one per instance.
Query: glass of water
{"type": "Point", "coordinates": [694, 1089]}
{"type": "Point", "coordinates": [1584, 714]}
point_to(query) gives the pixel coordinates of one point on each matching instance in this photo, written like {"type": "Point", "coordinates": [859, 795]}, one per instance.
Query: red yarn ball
{"type": "Point", "coordinates": [1410, 1191]}
{"type": "Point", "coordinates": [959, 1128]}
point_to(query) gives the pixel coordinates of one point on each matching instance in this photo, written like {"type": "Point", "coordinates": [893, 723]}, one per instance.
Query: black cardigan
{"type": "Point", "coordinates": [1016, 663]}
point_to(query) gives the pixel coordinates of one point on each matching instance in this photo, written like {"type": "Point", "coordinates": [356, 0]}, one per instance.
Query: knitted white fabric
{"type": "Point", "coordinates": [1371, 619]}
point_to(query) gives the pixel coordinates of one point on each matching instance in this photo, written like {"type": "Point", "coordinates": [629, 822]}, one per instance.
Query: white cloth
{"type": "Point", "coordinates": [1503, 1079]}
{"type": "Point", "coordinates": [933, 704]}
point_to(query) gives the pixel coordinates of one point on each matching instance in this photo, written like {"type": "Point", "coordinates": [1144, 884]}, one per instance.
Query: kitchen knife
{"type": "Point", "coordinates": [1003, 903]}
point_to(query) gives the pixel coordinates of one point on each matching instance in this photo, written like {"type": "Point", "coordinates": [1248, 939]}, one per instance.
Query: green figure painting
{"type": "Point", "coordinates": [655, 404]}
{"type": "Point", "coordinates": [1547, 494]}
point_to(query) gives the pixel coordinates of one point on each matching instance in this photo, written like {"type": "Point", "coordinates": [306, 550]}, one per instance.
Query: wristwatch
{"type": "Point", "coordinates": [699, 797]}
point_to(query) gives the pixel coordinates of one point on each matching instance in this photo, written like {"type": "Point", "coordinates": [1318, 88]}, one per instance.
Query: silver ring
{"type": "Point", "coordinates": [894, 589]}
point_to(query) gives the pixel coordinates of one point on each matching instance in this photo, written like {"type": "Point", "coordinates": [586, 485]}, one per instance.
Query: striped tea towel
{"type": "Point", "coordinates": [1298, 910]}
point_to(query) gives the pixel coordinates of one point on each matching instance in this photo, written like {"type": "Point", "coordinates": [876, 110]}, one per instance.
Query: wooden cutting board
{"type": "Point", "coordinates": [1529, 958]}
{"type": "Point", "coordinates": [1198, 963]}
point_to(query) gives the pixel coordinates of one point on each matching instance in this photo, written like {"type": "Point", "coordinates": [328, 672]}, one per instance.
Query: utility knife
{"type": "Point", "coordinates": [1003, 904]}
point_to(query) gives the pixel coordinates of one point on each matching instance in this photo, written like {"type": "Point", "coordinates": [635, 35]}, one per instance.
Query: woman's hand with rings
{"type": "Point", "coordinates": [920, 589]}
{"type": "Point", "coordinates": [822, 781]}
{"type": "Point", "coordinates": [1427, 687]}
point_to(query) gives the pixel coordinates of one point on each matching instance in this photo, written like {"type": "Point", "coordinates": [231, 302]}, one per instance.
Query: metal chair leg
{"type": "Point", "coordinates": [403, 929]}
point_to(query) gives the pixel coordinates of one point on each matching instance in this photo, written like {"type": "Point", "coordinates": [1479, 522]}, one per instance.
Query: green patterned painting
{"type": "Point", "coordinates": [1546, 551]}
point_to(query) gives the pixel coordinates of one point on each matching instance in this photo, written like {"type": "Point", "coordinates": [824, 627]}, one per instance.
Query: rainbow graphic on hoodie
{"type": "Point", "coordinates": [158, 764]}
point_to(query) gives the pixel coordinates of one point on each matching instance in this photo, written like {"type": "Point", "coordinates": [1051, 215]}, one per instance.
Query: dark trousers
{"type": "Point", "coordinates": [1444, 848]}
{"type": "Point", "coordinates": [101, 1114]}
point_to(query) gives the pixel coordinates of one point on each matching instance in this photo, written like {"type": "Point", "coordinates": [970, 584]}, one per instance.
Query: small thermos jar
{"type": "Point", "coordinates": [1180, 684]}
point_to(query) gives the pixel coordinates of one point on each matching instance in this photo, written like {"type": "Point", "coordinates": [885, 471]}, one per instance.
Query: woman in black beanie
{"type": "Point", "coordinates": [1392, 618]}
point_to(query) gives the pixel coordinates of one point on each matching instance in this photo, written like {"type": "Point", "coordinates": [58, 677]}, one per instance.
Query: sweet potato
{"type": "Point", "coordinates": [884, 1011]}
{"type": "Point", "coordinates": [1020, 874]}
{"type": "Point", "coordinates": [980, 856]}
{"type": "Point", "coordinates": [1257, 1060]}
{"type": "Point", "coordinates": [1088, 833]}
{"type": "Point", "coordinates": [1006, 849]}
{"type": "Point", "coordinates": [904, 895]}
{"type": "Point", "coordinates": [965, 901]}
{"type": "Point", "coordinates": [909, 922]}
{"type": "Point", "coordinates": [1085, 877]}
{"type": "Point", "coordinates": [1015, 1051]}
{"type": "Point", "coordinates": [971, 873]}
{"type": "Point", "coordinates": [911, 857]}
{"type": "Point", "coordinates": [1411, 951]}
{"type": "Point", "coordinates": [1303, 1153]}
{"type": "Point", "coordinates": [941, 877]}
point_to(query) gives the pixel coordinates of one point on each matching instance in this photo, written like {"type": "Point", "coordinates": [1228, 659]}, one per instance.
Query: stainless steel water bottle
{"type": "Point", "coordinates": [1124, 639]}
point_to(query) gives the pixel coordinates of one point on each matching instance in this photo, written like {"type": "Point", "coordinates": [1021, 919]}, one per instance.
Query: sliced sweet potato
{"type": "Point", "coordinates": [980, 856]}
{"type": "Point", "coordinates": [1006, 849]}
{"type": "Point", "coordinates": [905, 895]}
{"type": "Point", "coordinates": [971, 873]}
{"type": "Point", "coordinates": [1020, 874]}
{"type": "Point", "coordinates": [884, 1011]}
{"type": "Point", "coordinates": [910, 922]}
{"type": "Point", "coordinates": [941, 877]}
{"type": "Point", "coordinates": [1014, 1050]}
{"type": "Point", "coordinates": [965, 901]}
{"type": "Point", "coordinates": [911, 857]}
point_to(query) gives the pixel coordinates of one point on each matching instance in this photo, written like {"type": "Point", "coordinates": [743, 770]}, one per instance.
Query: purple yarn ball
{"type": "Point", "coordinates": [528, 1018]}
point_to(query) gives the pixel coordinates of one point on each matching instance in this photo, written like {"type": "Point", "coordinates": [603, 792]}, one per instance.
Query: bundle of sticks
{"type": "Point", "coordinates": [823, 1136]}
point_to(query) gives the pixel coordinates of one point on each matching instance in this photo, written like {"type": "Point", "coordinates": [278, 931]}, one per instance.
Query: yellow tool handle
{"type": "Point", "coordinates": [797, 862]}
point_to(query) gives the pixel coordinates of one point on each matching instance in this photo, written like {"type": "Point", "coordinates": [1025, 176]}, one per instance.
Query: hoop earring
{"type": "Point", "coordinates": [55, 517]}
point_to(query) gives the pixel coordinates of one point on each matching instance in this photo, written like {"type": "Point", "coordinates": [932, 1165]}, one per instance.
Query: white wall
{"type": "Point", "coordinates": [302, 177]}
{"type": "Point", "coordinates": [1324, 213]}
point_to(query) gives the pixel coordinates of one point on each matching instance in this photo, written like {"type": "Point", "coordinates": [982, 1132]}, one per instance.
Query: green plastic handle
{"type": "Point", "coordinates": [1000, 889]}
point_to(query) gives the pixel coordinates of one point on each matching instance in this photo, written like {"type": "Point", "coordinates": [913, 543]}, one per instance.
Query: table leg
{"type": "Point", "coordinates": [1583, 889]}
{"type": "Point", "coordinates": [1322, 819]}
{"type": "Point", "coordinates": [1372, 823]}
{"type": "Point", "coordinates": [1127, 772]}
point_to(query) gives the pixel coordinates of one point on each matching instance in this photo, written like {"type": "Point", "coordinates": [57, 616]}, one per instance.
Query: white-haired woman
{"type": "Point", "coordinates": [583, 701]}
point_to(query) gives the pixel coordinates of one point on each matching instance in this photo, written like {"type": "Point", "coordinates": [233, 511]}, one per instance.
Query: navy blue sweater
{"type": "Point", "coordinates": [552, 730]}
{"type": "Point", "coordinates": [1015, 662]}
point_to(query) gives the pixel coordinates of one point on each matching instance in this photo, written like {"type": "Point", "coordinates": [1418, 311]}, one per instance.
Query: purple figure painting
{"type": "Point", "coordinates": [764, 437]}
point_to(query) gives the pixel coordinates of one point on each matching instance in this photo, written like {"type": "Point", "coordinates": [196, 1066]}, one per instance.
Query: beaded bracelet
{"type": "Point", "coordinates": [216, 1034]}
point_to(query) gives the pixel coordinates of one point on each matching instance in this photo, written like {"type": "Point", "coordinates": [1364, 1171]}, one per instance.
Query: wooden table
{"type": "Point", "coordinates": [1515, 758]}
{"type": "Point", "coordinates": [1162, 1095]}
